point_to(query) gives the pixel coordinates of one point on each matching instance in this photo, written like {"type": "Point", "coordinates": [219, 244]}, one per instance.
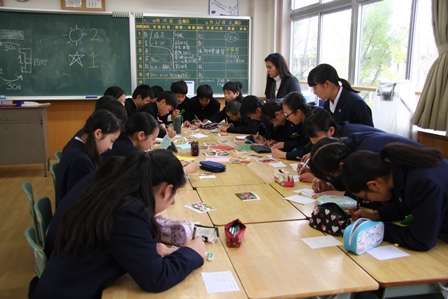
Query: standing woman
{"type": "Point", "coordinates": [414, 183]}
{"type": "Point", "coordinates": [341, 100]}
{"type": "Point", "coordinates": [111, 231]}
{"type": "Point", "coordinates": [82, 154]}
{"type": "Point", "coordinates": [279, 81]}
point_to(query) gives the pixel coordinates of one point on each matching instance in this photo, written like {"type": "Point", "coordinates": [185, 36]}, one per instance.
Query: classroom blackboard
{"type": "Point", "coordinates": [49, 54]}
{"type": "Point", "coordinates": [203, 50]}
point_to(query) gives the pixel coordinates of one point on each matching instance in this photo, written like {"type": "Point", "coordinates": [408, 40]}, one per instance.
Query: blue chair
{"type": "Point", "coordinates": [58, 156]}
{"type": "Point", "coordinates": [44, 214]}
{"type": "Point", "coordinates": [53, 171]}
{"type": "Point", "coordinates": [40, 259]}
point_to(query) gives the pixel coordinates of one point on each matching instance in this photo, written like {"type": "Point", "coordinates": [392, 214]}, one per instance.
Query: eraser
{"type": "Point", "coordinates": [2, 96]}
{"type": "Point", "coordinates": [91, 96]}
{"type": "Point", "coordinates": [210, 256]}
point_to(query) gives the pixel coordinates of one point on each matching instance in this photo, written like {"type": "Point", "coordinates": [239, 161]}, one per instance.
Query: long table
{"type": "Point", "coordinates": [273, 261]}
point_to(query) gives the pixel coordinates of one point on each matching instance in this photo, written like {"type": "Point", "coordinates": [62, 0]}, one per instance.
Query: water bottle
{"type": "Point", "coordinates": [177, 123]}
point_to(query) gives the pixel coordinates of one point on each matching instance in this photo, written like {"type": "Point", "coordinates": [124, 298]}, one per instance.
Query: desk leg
{"type": "Point", "coordinates": [444, 289]}
{"type": "Point", "coordinates": [411, 290]}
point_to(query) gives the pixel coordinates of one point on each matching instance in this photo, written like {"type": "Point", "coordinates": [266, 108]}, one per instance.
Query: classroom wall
{"type": "Point", "coordinates": [66, 117]}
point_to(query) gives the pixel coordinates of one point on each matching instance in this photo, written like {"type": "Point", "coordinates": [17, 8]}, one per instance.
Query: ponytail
{"type": "Point", "coordinates": [325, 72]}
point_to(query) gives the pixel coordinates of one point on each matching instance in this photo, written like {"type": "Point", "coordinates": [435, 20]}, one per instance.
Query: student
{"type": "Point", "coordinates": [279, 81]}
{"type": "Point", "coordinates": [139, 134]}
{"type": "Point", "coordinates": [142, 95]}
{"type": "Point", "coordinates": [157, 90]}
{"type": "Point", "coordinates": [280, 129]}
{"type": "Point", "coordinates": [204, 105]}
{"type": "Point", "coordinates": [250, 112]}
{"type": "Point", "coordinates": [232, 92]}
{"type": "Point", "coordinates": [295, 110]}
{"type": "Point", "coordinates": [342, 101]}
{"type": "Point", "coordinates": [111, 231]}
{"type": "Point", "coordinates": [82, 155]}
{"type": "Point", "coordinates": [328, 155]}
{"type": "Point", "coordinates": [117, 93]}
{"type": "Point", "coordinates": [414, 183]}
{"type": "Point", "coordinates": [166, 102]}
{"type": "Point", "coordinates": [233, 114]}
{"type": "Point", "coordinates": [180, 89]}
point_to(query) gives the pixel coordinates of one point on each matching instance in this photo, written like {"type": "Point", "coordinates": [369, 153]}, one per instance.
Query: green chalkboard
{"type": "Point", "coordinates": [47, 54]}
{"type": "Point", "coordinates": [204, 50]}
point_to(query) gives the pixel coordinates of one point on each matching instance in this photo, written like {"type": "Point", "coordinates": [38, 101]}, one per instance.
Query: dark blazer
{"type": "Point", "coordinates": [130, 106]}
{"type": "Point", "coordinates": [152, 109]}
{"type": "Point", "coordinates": [204, 112]}
{"type": "Point", "coordinates": [251, 126]}
{"type": "Point", "coordinates": [422, 192]}
{"type": "Point", "coordinates": [221, 115]}
{"type": "Point", "coordinates": [122, 147]}
{"type": "Point", "coordinates": [345, 129]}
{"type": "Point", "coordinates": [351, 108]}
{"type": "Point", "coordinates": [132, 250]}
{"type": "Point", "coordinates": [287, 85]}
{"type": "Point", "coordinates": [74, 165]}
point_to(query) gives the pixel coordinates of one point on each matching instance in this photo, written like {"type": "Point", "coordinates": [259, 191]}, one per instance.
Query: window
{"type": "Point", "coordinates": [366, 41]}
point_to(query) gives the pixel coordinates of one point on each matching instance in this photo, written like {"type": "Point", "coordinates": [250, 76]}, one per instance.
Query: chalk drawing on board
{"type": "Point", "coordinates": [223, 7]}
{"type": "Point", "coordinates": [75, 35]}
{"type": "Point", "coordinates": [76, 58]}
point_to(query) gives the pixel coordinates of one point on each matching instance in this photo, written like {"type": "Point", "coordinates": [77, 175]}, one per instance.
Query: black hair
{"type": "Point", "coordinates": [233, 86]}
{"type": "Point", "coordinates": [233, 107]}
{"type": "Point", "coordinates": [179, 87]}
{"type": "Point", "coordinates": [87, 227]}
{"type": "Point", "coordinates": [107, 123]}
{"type": "Point", "coordinates": [157, 90]}
{"type": "Point", "coordinates": [112, 105]}
{"type": "Point", "coordinates": [103, 99]}
{"type": "Point", "coordinates": [141, 121]}
{"type": "Point", "coordinates": [143, 91]}
{"type": "Point", "coordinates": [249, 105]}
{"type": "Point", "coordinates": [323, 72]}
{"type": "Point", "coordinates": [169, 97]}
{"type": "Point", "coordinates": [279, 61]}
{"type": "Point", "coordinates": [295, 101]}
{"type": "Point", "coordinates": [268, 110]}
{"type": "Point", "coordinates": [319, 120]}
{"type": "Point", "coordinates": [326, 155]}
{"type": "Point", "coordinates": [204, 91]}
{"type": "Point", "coordinates": [364, 166]}
{"type": "Point", "coordinates": [114, 91]}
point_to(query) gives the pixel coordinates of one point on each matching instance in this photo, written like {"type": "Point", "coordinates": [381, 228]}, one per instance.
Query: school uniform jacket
{"type": "Point", "coordinates": [350, 108]}
{"type": "Point", "coordinates": [132, 250]}
{"type": "Point", "coordinates": [287, 85]}
{"type": "Point", "coordinates": [252, 126]}
{"type": "Point", "coordinates": [130, 106]}
{"type": "Point", "coordinates": [422, 192]}
{"type": "Point", "coordinates": [74, 165]}
{"type": "Point", "coordinates": [123, 146]}
{"type": "Point", "coordinates": [221, 115]}
{"type": "Point", "coordinates": [204, 112]}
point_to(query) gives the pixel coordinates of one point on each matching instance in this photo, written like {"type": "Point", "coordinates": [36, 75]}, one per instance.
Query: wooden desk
{"type": "Point", "coordinates": [411, 275]}
{"type": "Point", "coordinates": [271, 206]}
{"type": "Point", "coordinates": [274, 262]}
{"type": "Point", "coordinates": [193, 286]}
{"type": "Point", "coordinates": [24, 135]}
{"type": "Point", "coordinates": [266, 171]}
{"type": "Point", "coordinates": [288, 191]}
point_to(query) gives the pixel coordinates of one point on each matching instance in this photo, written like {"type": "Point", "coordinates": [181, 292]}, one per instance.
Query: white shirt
{"type": "Point", "coordinates": [335, 103]}
{"type": "Point", "coordinates": [278, 81]}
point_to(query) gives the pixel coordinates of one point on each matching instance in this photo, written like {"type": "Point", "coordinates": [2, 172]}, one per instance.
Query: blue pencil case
{"type": "Point", "coordinates": [363, 235]}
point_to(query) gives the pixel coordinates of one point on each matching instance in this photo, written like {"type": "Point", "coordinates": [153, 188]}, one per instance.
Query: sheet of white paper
{"type": "Point", "coordinates": [240, 137]}
{"type": "Point", "coordinates": [219, 160]}
{"type": "Point", "coordinates": [198, 135]}
{"type": "Point", "coordinates": [296, 178]}
{"type": "Point", "coordinates": [305, 191]}
{"type": "Point", "coordinates": [278, 164]}
{"type": "Point", "coordinates": [294, 166]}
{"type": "Point", "coordinates": [166, 142]}
{"type": "Point", "coordinates": [300, 199]}
{"type": "Point", "coordinates": [319, 242]}
{"type": "Point", "coordinates": [219, 282]}
{"type": "Point", "coordinates": [184, 146]}
{"type": "Point", "coordinates": [387, 252]}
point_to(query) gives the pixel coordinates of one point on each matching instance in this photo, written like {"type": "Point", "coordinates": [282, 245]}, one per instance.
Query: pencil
{"type": "Point", "coordinates": [304, 165]}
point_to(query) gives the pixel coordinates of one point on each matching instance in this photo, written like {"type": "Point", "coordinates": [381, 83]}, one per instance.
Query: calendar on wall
{"type": "Point", "coordinates": [223, 7]}
{"type": "Point", "coordinates": [85, 5]}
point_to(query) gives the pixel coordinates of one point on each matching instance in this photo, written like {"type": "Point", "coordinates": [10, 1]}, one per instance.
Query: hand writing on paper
{"type": "Point", "coordinates": [163, 250]}
{"type": "Point", "coordinates": [197, 245]}
{"type": "Point", "coordinates": [279, 145]}
{"type": "Point", "coordinates": [276, 153]}
{"type": "Point", "coordinates": [305, 157]}
{"type": "Point", "coordinates": [361, 213]}
{"type": "Point", "coordinates": [259, 139]}
{"type": "Point", "coordinates": [331, 192]}
{"type": "Point", "coordinates": [192, 167]}
{"type": "Point", "coordinates": [306, 177]}
{"type": "Point", "coordinates": [319, 186]}
{"type": "Point", "coordinates": [301, 169]}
